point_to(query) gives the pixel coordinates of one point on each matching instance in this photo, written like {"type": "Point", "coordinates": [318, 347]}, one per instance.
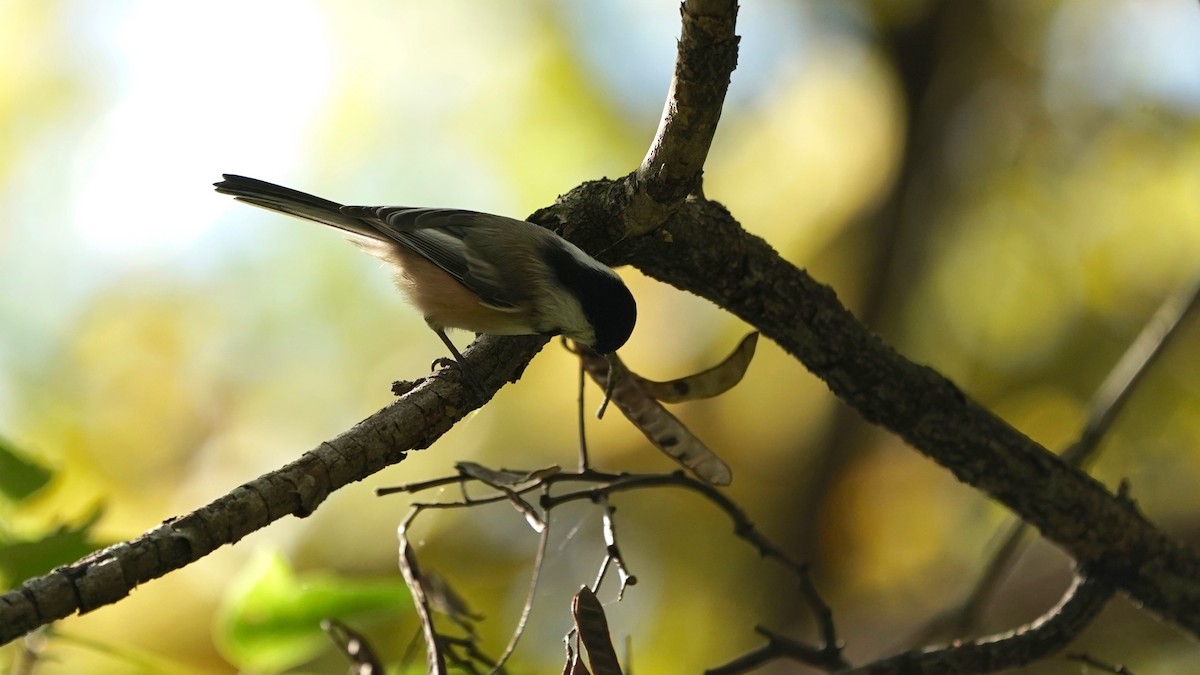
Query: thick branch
{"type": "Point", "coordinates": [702, 249]}
{"type": "Point", "coordinates": [415, 421]}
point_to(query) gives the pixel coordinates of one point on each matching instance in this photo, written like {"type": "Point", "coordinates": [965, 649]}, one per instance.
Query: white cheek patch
{"type": "Point", "coordinates": [567, 315]}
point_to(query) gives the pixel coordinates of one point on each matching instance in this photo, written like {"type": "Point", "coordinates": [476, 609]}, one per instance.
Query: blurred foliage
{"type": "Point", "coordinates": [19, 475]}
{"type": "Point", "coordinates": [25, 554]}
{"type": "Point", "coordinates": [1005, 190]}
{"type": "Point", "coordinates": [38, 86]}
{"type": "Point", "coordinates": [22, 558]}
{"type": "Point", "coordinates": [271, 619]}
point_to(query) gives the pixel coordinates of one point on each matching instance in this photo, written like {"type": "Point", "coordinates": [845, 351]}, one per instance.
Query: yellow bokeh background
{"type": "Point", "coordinates": [161, 344]}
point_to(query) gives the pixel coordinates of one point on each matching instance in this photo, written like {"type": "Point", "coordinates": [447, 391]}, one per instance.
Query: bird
{"type": "Point", "coordinates": [474, 271]}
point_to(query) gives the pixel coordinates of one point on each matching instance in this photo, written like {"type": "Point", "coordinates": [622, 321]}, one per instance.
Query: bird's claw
{"type": "Point", "coordinates": [464, 372]}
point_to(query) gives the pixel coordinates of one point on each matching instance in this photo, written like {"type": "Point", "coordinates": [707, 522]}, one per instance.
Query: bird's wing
{"type": "Point", "coordinates": [443, 237]}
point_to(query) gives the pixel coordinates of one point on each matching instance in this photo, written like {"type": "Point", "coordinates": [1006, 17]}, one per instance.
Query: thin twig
{"type": "Point", "coordinates": [535, 520]}
{"type": "Point", "coordinates": [744, 528]}
{"type": "Point", "coordinates": [962, 620]}
{"type": "Point", "coordinates": [473, 654]}
{"type": "Point", "coordinates": [527, 609]}
{"type": "Point", "coordinates": [613, 554]}
{"type": "Point", "coordinates": [584, 463]}
{"type": "Point", "coordinates": [418, 487]}
{"type": "Point", "coordinates": [354, 646]}
{"type": "Point", "coordinates": [1117, 669]}
{"type": "Point", "coordinates": [1048, 634]}
{"type": "Point", "coordinates": [1109, 400]}
{"type": "Point", "coordinates": [777, 647]}
{"type": "Point", "coordinates": [435, 658]}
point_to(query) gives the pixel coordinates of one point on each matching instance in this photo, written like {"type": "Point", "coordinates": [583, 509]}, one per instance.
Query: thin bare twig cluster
{"type": "Point", "coordinates": [637, 398]}
{"type": "Point", "coordinates": [554, 487]}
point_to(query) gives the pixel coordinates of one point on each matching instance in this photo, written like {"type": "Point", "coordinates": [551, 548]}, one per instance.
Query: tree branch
{"type": "Point", "coordinates": [674, 163]}
{"type": "Point", "coordinates": [1047, 635]}
{"type": "Point", "coordinates": [703, 250]}
{"type": "Point", "coordinates": [414, 422]}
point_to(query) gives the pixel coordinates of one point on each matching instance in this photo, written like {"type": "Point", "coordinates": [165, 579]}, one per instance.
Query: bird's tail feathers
{"type": "Point", "coordinates": [294, 203]}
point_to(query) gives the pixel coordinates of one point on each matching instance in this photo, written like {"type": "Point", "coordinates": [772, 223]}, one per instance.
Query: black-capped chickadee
{"type": "Point", "coordinates": [474, 271]}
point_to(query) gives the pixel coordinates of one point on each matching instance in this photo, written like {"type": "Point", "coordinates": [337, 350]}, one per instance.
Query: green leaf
{"type": "Point", "coordinates": [19, 476]}
{"type": "Point", "coordinates": [24, 559]}
{"type": "Point", "coordinates": [271, 618]}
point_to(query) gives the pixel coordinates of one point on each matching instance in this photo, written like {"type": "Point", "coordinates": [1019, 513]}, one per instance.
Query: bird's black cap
{"type": "Point", "coordinates": [613, 314]}
{"type": "Point", "coordinates": [604, 298]}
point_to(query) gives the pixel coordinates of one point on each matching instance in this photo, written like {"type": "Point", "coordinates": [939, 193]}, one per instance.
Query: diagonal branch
{"type": "Point", "coordinates": [1114, 392]}
{"type": "Point", "coordinates": [414, 422]}
{"type": "Point", "coordinates": [703, 250]}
